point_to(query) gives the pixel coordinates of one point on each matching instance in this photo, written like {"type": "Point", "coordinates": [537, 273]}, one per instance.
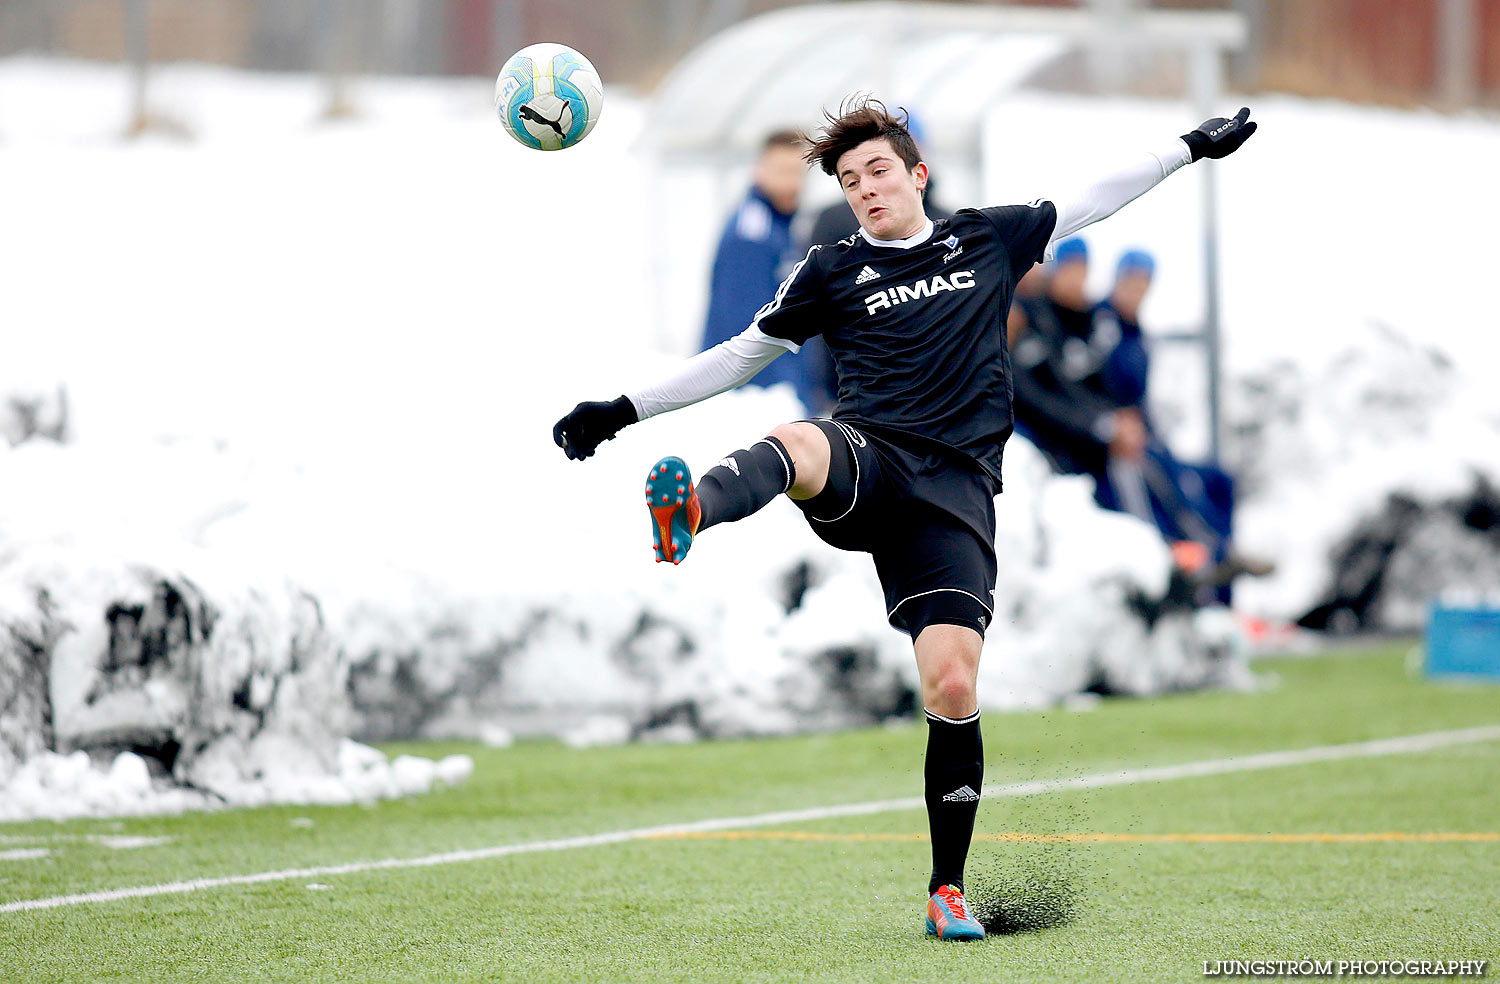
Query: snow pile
{"type": "Point", "coordinates": [235, 619]}
{"type": "Point", "coordinates": [143, 641]}
{"type": "Point", "coordinates": [53, 786]}
{"type": "Point", "coordinates": [311, 490]}
{"type": "Point", "coordinates": [766, 630]}
{"type": "Point", "coordinates": [31, 411]}
{"type": "Point", "coordinates": [123, 640]}
{"type": "Point", "coordinates": [1371, 477]}
{"type": "Point", "coordinates": [1082, 601]}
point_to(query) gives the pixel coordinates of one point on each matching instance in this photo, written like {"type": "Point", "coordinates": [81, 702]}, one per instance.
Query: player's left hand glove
{"type": "Point", "coordinates": [591, 424]}
{"type": "Point", "coordinates": [1219, 137]}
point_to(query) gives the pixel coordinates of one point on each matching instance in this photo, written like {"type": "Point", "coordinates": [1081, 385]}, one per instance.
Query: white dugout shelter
{"type": "Point", "coordinates": [950, 63]}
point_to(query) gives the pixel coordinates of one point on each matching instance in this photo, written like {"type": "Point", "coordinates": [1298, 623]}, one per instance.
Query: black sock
{"type": "Point", "coordinates": [745, 481]}
{"type": "Point", "coordinates": [954, 774]}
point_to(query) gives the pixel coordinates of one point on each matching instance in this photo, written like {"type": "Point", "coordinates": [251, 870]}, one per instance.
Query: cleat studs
{"type": "Point", "coordinates": [663, 468]}
{"type": "Point", "coordinates": [663, 498]}
{"type": "Point", "coordinates": [679, 476]}
{"type": "Point", "coordinates": [680, 490]}
{"type": "Point", "coordinates": [679, 500]}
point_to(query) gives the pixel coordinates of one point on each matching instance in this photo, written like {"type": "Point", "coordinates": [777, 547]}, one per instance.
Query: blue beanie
{"type": "Point", "coordinates": [1070, 251]}
{"type": "Point", "coordinates": [1136, 261]}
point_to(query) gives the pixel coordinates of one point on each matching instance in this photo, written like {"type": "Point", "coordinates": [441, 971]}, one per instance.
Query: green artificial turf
{"type": "Point", "coordinates": [835, 900]}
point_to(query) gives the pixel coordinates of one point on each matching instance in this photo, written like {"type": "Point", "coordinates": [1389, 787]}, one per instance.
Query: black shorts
{"type": "Point", "coordinates": [925, 514]}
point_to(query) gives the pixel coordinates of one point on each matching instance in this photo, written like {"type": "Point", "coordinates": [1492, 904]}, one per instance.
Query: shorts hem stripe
{"type": "Point", "coordinates": [923, 594]}
{"type": "Point", "coordinates": [843, 429]}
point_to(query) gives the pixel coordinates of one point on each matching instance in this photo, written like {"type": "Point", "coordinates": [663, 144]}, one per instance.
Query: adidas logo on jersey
{"type": "Point", "coordinates": [963, 794]}
{"type": "Point", "coordinates": [865, 276]}
{"type": "Point", "coordinates": [957, 280]}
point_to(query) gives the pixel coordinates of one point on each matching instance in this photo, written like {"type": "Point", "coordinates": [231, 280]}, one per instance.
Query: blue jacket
{"type": "Point", "coordinates": [1125, 373]}
{"type": "Point", "coordinates": [753, 257]}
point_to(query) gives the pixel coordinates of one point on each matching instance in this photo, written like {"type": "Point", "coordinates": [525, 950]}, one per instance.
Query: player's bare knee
{"type": "Point", "coordinates": [948, 684]}
{"type": "Point", "coordinates": [802, 440]}
{"type": "Point", "coordinates": [953, 692]}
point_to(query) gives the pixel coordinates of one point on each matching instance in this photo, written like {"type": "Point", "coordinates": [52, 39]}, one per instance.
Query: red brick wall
{"type": "Point", "coordinates": [1489, 49]}
{"type": "Point", "coordinates": [1367, 50]}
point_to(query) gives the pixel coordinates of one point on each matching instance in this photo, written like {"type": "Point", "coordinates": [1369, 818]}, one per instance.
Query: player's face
{"type": "Point", "coordinates": [779, 173]}
{"type": "Point", "coordinates": [885, 196]}
{"type": "Point", "coordinates": [1069, 284]}
{"type": "Point", "coordinates": [1034, 283]}
{"type": "Point", "coordinates": [1130, 291]}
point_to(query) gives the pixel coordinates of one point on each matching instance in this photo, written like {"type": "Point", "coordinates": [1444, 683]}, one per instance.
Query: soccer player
{"type": "Point", "coordinates": [907, 468]}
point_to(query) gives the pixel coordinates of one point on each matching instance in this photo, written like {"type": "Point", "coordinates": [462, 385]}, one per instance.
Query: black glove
{"type": "Point", "coordinates": [1219, 137]}
{"type": "Point", "coordinates": [590, 424]}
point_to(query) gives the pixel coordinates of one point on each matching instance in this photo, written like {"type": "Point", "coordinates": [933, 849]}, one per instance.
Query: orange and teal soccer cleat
{"type": "Point", "coordinates": [675, 510]}
{"type": "Point", "coordinates": [948, 916]}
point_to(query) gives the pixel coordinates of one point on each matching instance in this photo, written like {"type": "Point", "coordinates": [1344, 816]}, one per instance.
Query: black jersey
{"type": "Point", "coordinates": [917, 334]}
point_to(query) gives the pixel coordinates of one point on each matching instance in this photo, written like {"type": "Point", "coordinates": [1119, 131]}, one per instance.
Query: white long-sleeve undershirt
{"type": "Point", "coordinates": [736, 361]}
{"type": "Point", "coordinates": [1106, 196]}
{"type": "Point", "coordinates": [728, 364]}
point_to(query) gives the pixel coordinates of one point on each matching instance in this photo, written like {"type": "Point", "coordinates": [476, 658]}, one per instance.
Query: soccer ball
{"type": "Point", "coordinates": [548, 96]}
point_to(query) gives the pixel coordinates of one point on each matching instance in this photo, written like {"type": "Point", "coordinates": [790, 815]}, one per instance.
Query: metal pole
{"type": "Point", "coordinates": [1110, 62]}
{"type": "Point", "coordinates": [138, 51]}
{"type": "Point", "coordinates": [337, 28]}
{"type": "Point", "coordinates": [1458, 45]}
{"type": "Point", "coordinates": [1247, 60]}
{"type": "Point", "coordinates": [510, 31]}
{"type": "Point", "coordinates": [1205, 71]}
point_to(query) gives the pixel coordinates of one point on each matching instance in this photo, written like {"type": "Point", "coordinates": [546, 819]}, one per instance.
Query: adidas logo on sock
{"type": "Point", "coordinates": [865, 276]}
{"type": "Point", "coordinates": [963, 794]}
{"type": "Point", "coordinates": [731, 464]}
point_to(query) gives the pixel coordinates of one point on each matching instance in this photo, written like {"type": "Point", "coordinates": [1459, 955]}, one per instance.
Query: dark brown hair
{"type": "Point", "coordinates": [782, 138]}
{"type": "Point", "coordinates": [861, 118]}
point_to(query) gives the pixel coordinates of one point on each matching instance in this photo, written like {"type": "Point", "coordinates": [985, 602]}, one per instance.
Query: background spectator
{"type": "Point", "coordinates": [1057, 407]}
{"type": "Point", "coordinates": [1081, 376]}
{"type": "Point", "coordinates": [1031, 288]}
{"type": "Point", "coordinates": [755, 251]}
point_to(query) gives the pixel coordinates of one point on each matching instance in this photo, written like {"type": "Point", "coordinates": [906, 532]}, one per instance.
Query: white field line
{"type": "Point", "coordinates": [1125, 777]}
{"type": "Point", "coordinates": [24, 853]}
{"type": "Point", "coordinates": [115, 842]}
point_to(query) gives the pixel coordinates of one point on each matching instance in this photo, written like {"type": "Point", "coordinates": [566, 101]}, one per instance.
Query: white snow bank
{"type": "Point", "coordinates": [1326, 448]}
{"type": "Point", "coordinates": [238, 619]}
{"type": "Point", "coordinates": [52, 786]}
{"type": "Point", "coordinates": [312, 372]}
{"type": "Point", "coordinates": [120, 631]}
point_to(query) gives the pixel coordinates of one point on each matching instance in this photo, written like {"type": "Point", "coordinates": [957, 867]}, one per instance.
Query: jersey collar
{"type": "Point", "coordinates": [921, 236]}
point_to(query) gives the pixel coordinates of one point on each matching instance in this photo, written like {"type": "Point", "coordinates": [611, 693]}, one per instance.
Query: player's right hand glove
{"type": "Point", "coordinates": [1219, 137]}
{"type": "Point", "coordinates": [590, 424]}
